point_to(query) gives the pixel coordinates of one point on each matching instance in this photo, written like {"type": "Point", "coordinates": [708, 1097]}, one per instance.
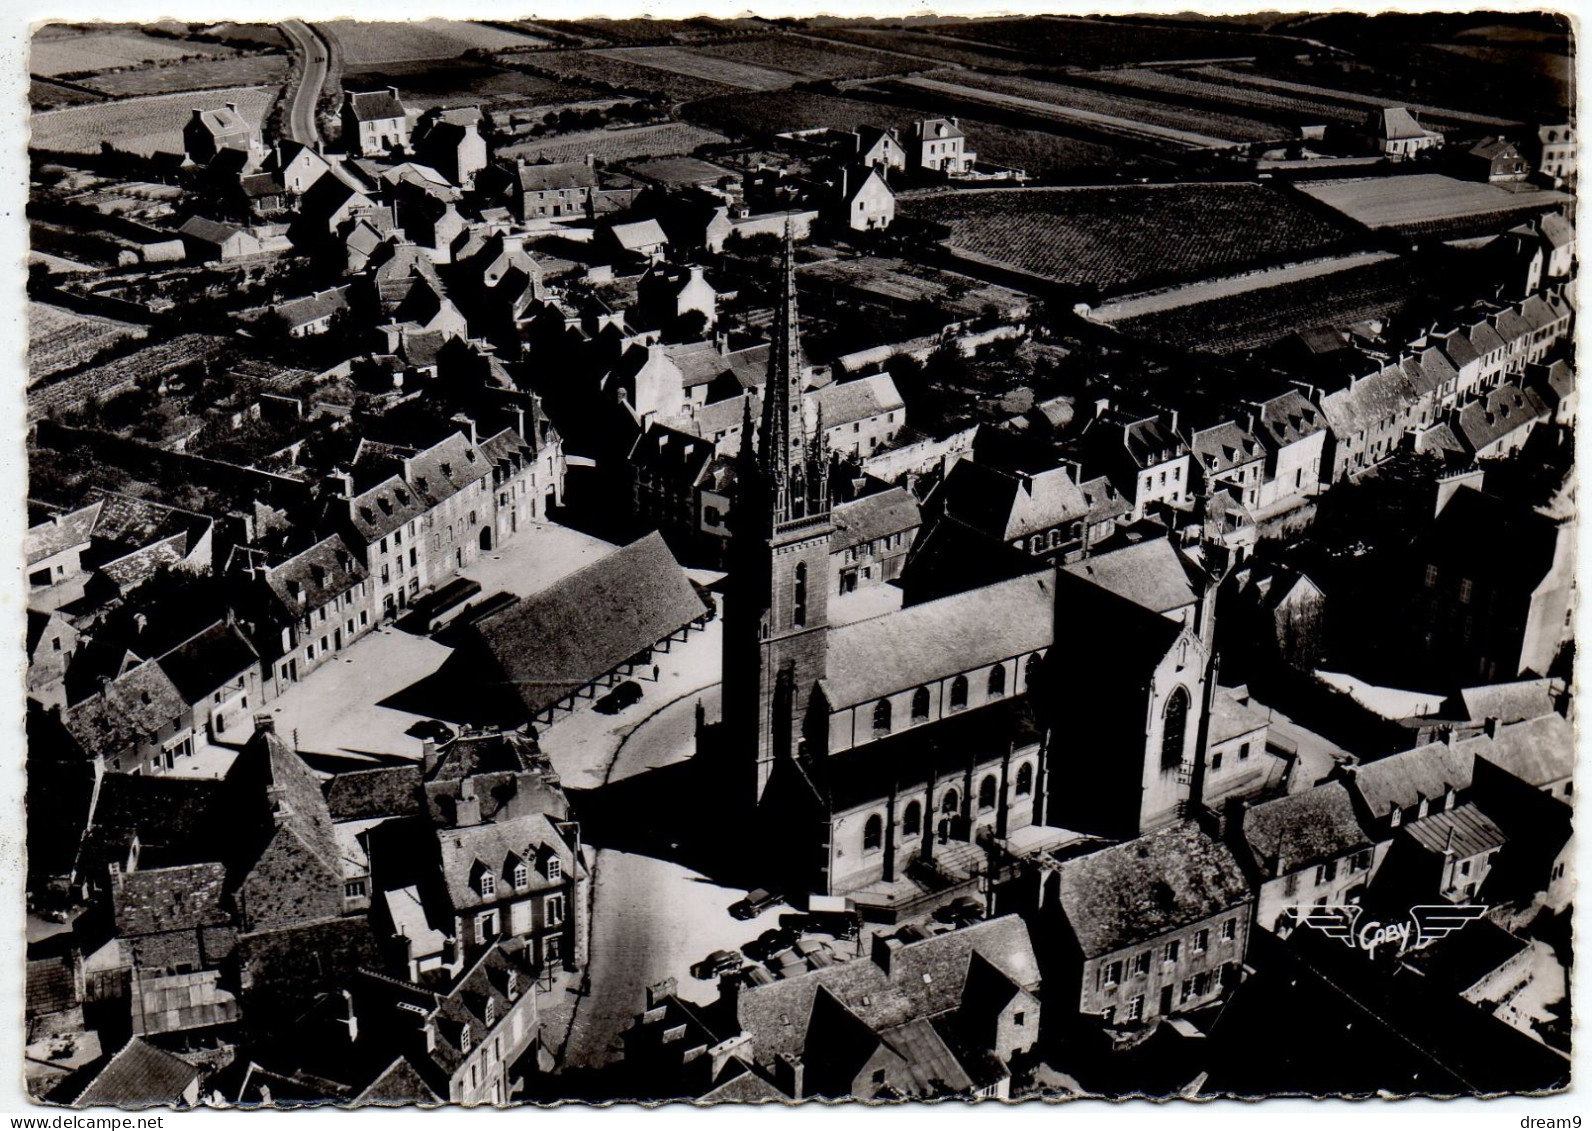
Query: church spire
{"type": "Point", "coordinates": [784, 440]}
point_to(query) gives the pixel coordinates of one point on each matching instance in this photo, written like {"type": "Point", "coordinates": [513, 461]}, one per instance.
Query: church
{"type": "Point", "coordinates": [891, 759]}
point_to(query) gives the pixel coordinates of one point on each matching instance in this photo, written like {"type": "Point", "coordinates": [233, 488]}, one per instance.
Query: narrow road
{"type": "Point", "coordinates": [313, 53]}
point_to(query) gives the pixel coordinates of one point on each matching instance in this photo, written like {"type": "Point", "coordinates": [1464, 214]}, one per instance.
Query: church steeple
{"type": "Point", "coordinates": [794, 483]}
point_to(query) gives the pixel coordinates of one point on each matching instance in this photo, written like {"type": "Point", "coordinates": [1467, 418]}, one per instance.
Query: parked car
{"type": "Point", "coordinates": [626, 694]}
{"type": "Point", "coordinates": [836, 924]}
{"type": "Point", "coordinates": [754, 903]}
{"type": "Point", "coordinates": [961, 911]}
{"type": "Point", "coordinates": [719, 962]}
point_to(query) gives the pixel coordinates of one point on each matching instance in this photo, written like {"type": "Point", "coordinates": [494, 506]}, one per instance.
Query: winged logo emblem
{"type": "Point", "coordinates": [1335, 920]}
{"type": "Point", "coordinates": [1434, 921]}
{"type": "Point", "coordinates": [1427, 923]}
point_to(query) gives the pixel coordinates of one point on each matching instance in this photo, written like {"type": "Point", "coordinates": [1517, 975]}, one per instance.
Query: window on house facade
{"type": "Point", "coordinates": [555, 869]}
{"type": "Point", "coordinates": [1171, 950]}
{"type": "Point", "coordinates": [486, 884]}
{"type": "Point", "coordinates": [1326, 873]}
{"type": "Point", "coordinates": [1136, 1008]}
{"type": "Point", "coordinates": [553, 949]}
{"type": "Point", "coordinates": [1229, 930]}
{"type": "Point", "coordinates": [1141, 964]}
{"type": "Point", "coordinates": [950, 803]}
{"type": "Point", "coordinates": [873, 834]}
{"type": "Point", "coordinates": [354, 889]}
{"type": "Point", "coordinates": [1110, 974]}
{"type": "Point", "coordinates": [553, 910]}
{"type": "Point", "coordinates": [1216, 761]}
{"type": "Point", "coordinates": [1243, 752]}
{"type": "Point", "coordinates": [1030, 671]}
{"type": "Point", "coordinates": [522, 875]}
{"type": "Point", "coordinates": [1202, 940]}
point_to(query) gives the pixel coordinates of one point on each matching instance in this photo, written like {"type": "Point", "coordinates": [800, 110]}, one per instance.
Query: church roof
{"type": "Point", "coordinates": [1150, 574]}
{"type": "Point", "coordinates": [925, 643]}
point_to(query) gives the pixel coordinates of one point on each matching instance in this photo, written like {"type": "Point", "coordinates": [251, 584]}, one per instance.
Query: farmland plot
{"type": "Point", "coordinates": [371, 44]}
{"type": "Point", "coordinates": [1422, 198]}
{"type": "Point", "coordinates": [930, 47]}
{"type": "Point", "coordinates": [198, 74]}
{"type": "Point", "coordinates": [684, 61]}
{"type": "Point", "coordinates": [61, 339]}
{"type": "Point", "coordinates": [651, 31]}
{"type": "Point", "coordinates": [808, 60]}
{"type": "Point", "coordinates": [80, 53]}
{"type": "Point", "coordinates": [138, 125]}
{"type": "Point", "coordinates": [464, 82]}
{"type": "Point", "coordinates": [1254, 319]}
{"type": "Point", "coordinates": [1284, 107]}
{"type": "Point", "coordinates": [1135, 110]}
{"type": "Point", "coordinates": [665, 139]}
{"type": "Point", "coordinates": [1438, 113]}
{"type": "Point", "coordinates": [611, 70]}
{"type": "Point", "coordinates": [1112, 240]}
{"type": "Point", "coordinates": [1098, 43]}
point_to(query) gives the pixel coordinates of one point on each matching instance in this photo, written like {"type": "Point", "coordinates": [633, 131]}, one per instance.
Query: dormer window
{"type": "Point", "coordinates": [555, 869]}
{"type": "Point", "coordinates": [489, 1013]}
{"type": "Point", "coordinates": [1395, 816]}
{"type": "Point", "coordinates": [464, 1040]}
{"type": "Point", "coordinates": [486, 883]}
{"type": "Point", "coordinates": [522, 875]}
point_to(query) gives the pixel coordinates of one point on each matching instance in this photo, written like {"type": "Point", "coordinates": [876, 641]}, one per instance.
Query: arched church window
{"type": "Point", "coordinates": [986, 793]}
{"type": "Point", "coordinates": [951, 803]}
{"type": "Point", "coordinates": [912, 822]}
{"type": "Point", "coordinates": [1030, 671]}
{"type": "Point", "coordinates": [1025, 779]}
{"type": "Point", "coordinates": [997, 681]}
{"type": "Point", "coordinates": [920, 705]}
{"type": "Point", "coordinates": [881, 717]}
{"type": "Point", "coordinates": [872, 834]}
{"type": "Point", "coordinates": [1174, 728]}
{"type": "Point", "coordinates": [959, 693]}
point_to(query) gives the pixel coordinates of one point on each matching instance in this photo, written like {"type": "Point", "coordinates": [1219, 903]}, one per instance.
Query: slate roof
{"type": "Point", "coordinates": [1511, 702]}
{"type": "Point", "coordinates": [1395, 123]}
{"type": "Point", "coordinates": [1151, 574]}
{"type": "Point", "coordinates": [639, 234]}
{"type": "Point", "coordinates": [66, 531]}
{"type": "Point", "coordinates": [267, 774]}
{"type": "Point", "coordinates": [1369, 402]}
{"type": "Point", "coordinates": [384, 508]}
{"type": "Point", "coordinates": [559, 175]}
{"type": "Point", "coordinates": [387, 791]}
{"type": "Point", "coordinates": [51, 985]}
{"type": "Point", "coordinates": [320, 574]}
{"type": "Point", "coordinates": [1465, 957]}
{"type": "Point", "coordinates": [873, 516]}
{"type": "Point", "coordinates": [1134, 892]}
{"type": "Point", "coordinates": [1225, 446]}
{"type": "Point", "coordinates": [498, 845]}
{"type": "Point", "coordinates": [1405, 779]}
{"type": "Point", "coordinates": [1539, 751]}
{"type": "Point", "coordinates": [1465, 831]}
{"type": "Point", "coordinates": [129, 709]}
{"type": "Point", "coordinates": [446, 468]}
{"type": "Point", "coordinates": [173, 819]}
{"type": "Point", "coordinates": [1303, 829]}
{"type": "Point", "coordinates": [222, 121]}
{"type": "Point", "coordinates": [921, 644]}
{"type": "Point", "coordinates": [927, 978]}
{"type": "Point", "coordinates": [208, 231]}
{"type": "Point", "coordinates": [584, 625]}
{"type": "Point", "coordinates": [1502, 411]}
{"type": "Point", "coordinates": [1287, 419]}
{"type": "Point", "coordinates": [375, 105]}
{"type": "Point", "coordinates": [139, 1076]}
{"type": "Point", "coordinates": [1456, 345]}
{"type": "Point", "coordinates": [1557, 230]}
{"type": "Point", "coordinates": [312, 308]}
{"type": "Point", "coordinates": [1231, 718]}
{"type": "Point", "coordinates": [846, 402]}
{"type": "Point", "coordinates": [204, 662]}
{"type": "Point", "coordinates": [1009, 506]}
{"type": "Point", "coordinates": [152, 901]}
{"type": "Point", "coordinates": [126, 523]}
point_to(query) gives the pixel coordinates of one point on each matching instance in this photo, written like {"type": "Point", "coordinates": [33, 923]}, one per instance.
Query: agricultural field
{"type": "Point", "coordinates": [648, 30]}
{"type": "Point", "coordinates": [808, 60]}
{"type": "Point", "coordinates": [1422, 198]}
{"type": "Point", "coordinates": [59, 51]}
{"type": "Point", "coordinates": [611, 71]}
{"type": "Point", "coordinates": [1438, 117]}
{"type": "Point", "coordinates": [138, 125]}
{"type": "Point", "coordinates": [248, 37]}
{"type": "Point", "coordinates": [373, 44]}
{"type": "Point", "coordinates": [685, 61]}
{"type": "Point", "coordinates": [1040, 154]}
{"type": "Point", "coordinates": [47, 94]}
{"type": "Point", "coordinates": [60, 339]}
{"type": "Point", "coordinates": [1062, 41]}
{"type": "Point", "coordinates": [930, 47]}
{"type": "Point", "coordinates": [151, 364]}
{"type": "Point", "coordinates": [1114, 240]}
{"type": "Point", "coordinates": [1202, 126]}
{"type": "Point", "coordinates": [666, 139]}
{"type": "Point", "coordinates": [1255, 319]}
{"type": "Point", "coordinates": [465, 81]}
{"type": "Point", "coordinates": [197, 74]}
{"type": "Point", "coordinates": [1183, 86]}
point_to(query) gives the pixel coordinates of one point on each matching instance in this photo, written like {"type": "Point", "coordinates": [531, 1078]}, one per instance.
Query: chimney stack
{"type": "Point", "coordinates": [788, 1074]}
{"type": "Point", "coordinates": [428, 757]}
{"type": "Point", "coordinates": [1490, 726]}
{"type": "Point", "coordinates": [467, 811]}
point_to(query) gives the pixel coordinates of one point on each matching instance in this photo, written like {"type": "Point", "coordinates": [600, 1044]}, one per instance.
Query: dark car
{"type": "Point", "coordinates": [961, 911]}
{"type": "Point", "coordinates": [754, 903]}
{"type": "Point", "coordinates": [770, 943]}
{"type": "Point", "coordinates": [437, 732]}
{"type": "Point", "coordinates": [626, 694]}
{"type": "Point", "coordinates": [836, 924]}
{"type": "Point", "coordinates": [719, 962]}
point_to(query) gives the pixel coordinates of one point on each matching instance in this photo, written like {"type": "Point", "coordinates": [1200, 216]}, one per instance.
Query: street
{"type": "Point", "coordinates": [312, 54]}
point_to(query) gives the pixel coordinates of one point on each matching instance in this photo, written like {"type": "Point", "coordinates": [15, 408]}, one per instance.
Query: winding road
{"type": "Point", "coordinates": [314, 53]}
